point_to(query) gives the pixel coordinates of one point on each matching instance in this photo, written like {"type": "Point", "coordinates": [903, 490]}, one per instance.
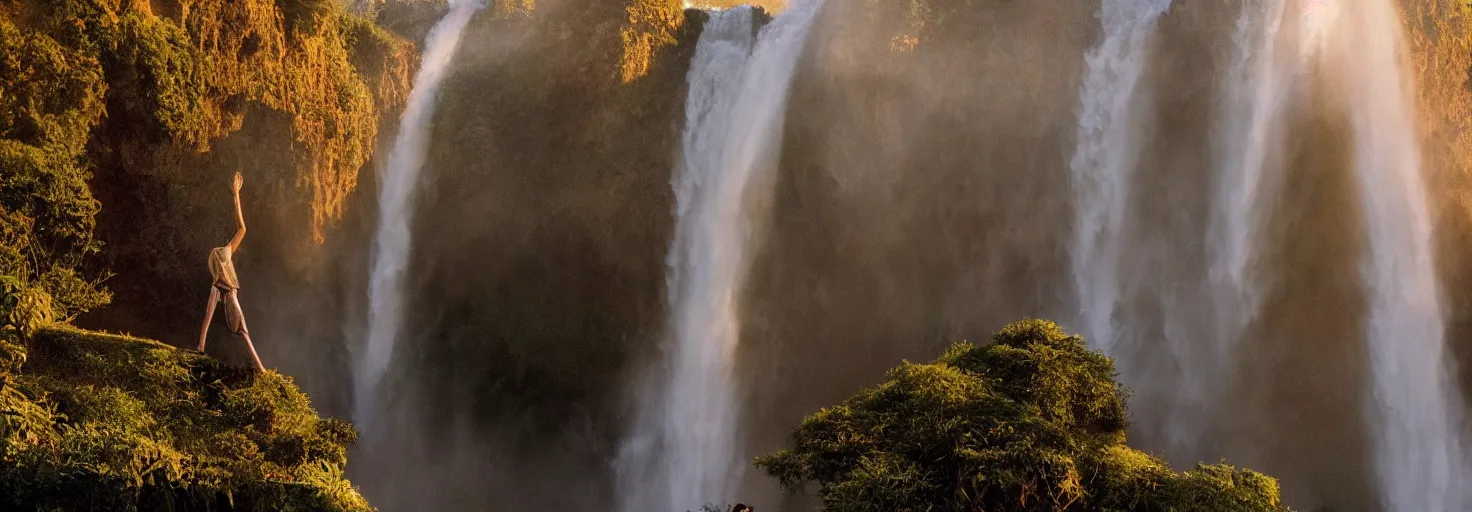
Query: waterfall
{"type": "Point", "coordinates": [1413, 407]}
{"type": "Point", "coordinates": [685, 448]}
{"type": "Point", "coordinates": [1355, 51]}
{"type": "Point", "coordinates": [1256, 90]}
{"type": "Point", "coordinates": [397, 183]}
{"type": "Point", "coordinates": [1104, 160]}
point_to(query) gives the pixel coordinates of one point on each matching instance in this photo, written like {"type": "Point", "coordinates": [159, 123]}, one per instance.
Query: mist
{"type": "Point", "coordinates": [926, 191]}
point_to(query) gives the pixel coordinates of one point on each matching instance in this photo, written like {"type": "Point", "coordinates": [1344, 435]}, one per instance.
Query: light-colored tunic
{"type": "Point", "coordinates": [227, 287]}
{"type": "Point", "coordinates": [222, 268]}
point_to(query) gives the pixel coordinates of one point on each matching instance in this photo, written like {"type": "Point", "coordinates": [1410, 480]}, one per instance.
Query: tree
{"type": "Point", "coordinates": [1032, 421]}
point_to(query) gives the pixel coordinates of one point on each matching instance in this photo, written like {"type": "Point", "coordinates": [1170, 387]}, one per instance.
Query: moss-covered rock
{"type": "Point", "coordinates": [102, 422]}
{"type": "Point", "coordinates": [147, 108]}
{"type": "Point", "coordinates": [183, 82]}
{"type": "Point", "coordinates": [180, 73]}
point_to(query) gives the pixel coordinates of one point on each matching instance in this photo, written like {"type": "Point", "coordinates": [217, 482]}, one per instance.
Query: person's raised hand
{"type": "Point", "coordinates": [239, 182]}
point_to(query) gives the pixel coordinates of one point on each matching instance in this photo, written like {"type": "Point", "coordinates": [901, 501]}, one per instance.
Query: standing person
{"type": "Point", "coordinates": [226, 287]}
{"type": "Point", "coordinates": [741, 508]}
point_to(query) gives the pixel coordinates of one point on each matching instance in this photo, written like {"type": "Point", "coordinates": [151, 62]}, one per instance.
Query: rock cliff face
{"type": "Point", "coordinates": [1441, 41]}
{"type": "Point", "coordinates": [922, 196]}
{"type": "Point", "coordinates": [575, 103]}
{"type": "Point", "coordinates": [182, 78]}
{"type": "Point", "coordinates": [539, 253]}
{"type": "Point", "coordinates": [291, 94]}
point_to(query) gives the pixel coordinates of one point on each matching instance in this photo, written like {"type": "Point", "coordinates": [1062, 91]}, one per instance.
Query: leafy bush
{"type": "Point", "coordinates": [1032, 421]}
{"type": "Point", "coordinates": [160, 89]}
{"type": "Point", "coordinates": [100, 422]}
{"type": "Point", "coordinates": [23, 308]}
{"type": "Point", "coordinates": [50, 98]}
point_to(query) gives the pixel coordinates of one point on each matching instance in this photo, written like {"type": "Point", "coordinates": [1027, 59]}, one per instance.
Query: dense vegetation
{"type": "Point", "coordinates": [126, 106]}
{"type": "Point", "coordinates": [181, 79]}
{"type": "Point", "coordinates": [90, 421]}
{"type": "Point", "coordinates": [1032, 421]}
{"type": "Point", "coordinates": [562, 149]}
{"type": "Point", "coordinates": [51, 95]}
{"type": "Point", "coordinates": [116, 97]}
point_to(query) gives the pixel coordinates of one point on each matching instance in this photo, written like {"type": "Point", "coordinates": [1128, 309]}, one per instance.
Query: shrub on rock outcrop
{"type": "Point", "coordinates": [1032, 421]}
{"type": "Point", "coordinates": [101, 422]}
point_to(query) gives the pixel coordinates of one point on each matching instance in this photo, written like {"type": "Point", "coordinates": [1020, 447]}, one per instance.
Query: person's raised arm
{"type": "Point", "coordinates": [239, 216]}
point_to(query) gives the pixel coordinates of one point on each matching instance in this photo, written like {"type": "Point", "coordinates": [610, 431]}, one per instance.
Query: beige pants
{"type": "Point", "coordinates": [234, 317]}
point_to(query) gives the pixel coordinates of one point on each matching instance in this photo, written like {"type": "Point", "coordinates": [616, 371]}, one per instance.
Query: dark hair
{"type": "Point", "coordinates": [741, 508]}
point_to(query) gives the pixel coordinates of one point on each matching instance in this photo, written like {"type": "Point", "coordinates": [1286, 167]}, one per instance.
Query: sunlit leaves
{"type": "Point", "coordinates": [1032, 421]}
{"type": "Point", "coordinates": [107, 422]}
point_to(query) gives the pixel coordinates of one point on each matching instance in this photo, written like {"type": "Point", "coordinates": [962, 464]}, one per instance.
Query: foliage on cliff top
{"type": "Point", "coordinates": [92, 421]}
{"type": "Point", "coordinates": [769, 5]}
{"type": "Point", "coordinates": [181, 78]}
{"type": "Point", "coordinates": [1441, 40]}
{"type": "Point", "coordinates": [51, 96]}
{"type": "Point", "coordinates": [146, 88]}
{"type": "Point", "coordinates": [1032, 421]}
{"type": "Point", "coordinates": [651, 25]}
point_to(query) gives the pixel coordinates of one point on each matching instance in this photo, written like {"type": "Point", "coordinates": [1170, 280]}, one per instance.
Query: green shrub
{"type": "Point", "coordinates": [50, 99]}
{"type": "Point", "coordinates": [1032, 421]}
{"type": "Point", "coordinates": [94, 421]}
{"type": "Point", "coordinates": [23, 308]}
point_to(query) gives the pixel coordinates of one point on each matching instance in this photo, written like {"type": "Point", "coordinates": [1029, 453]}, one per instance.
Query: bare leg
{"type": "Point", "coordinates": [245, 331]}
{"type": "Point", "coordinates": [209, 313]}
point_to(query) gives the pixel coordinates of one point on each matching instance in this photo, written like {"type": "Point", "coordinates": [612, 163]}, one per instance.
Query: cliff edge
{"type": "Point", "coordinates": [94, 421]}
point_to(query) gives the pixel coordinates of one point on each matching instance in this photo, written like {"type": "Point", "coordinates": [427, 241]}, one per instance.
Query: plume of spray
{"type": "Point", "coordinates": [1104, 161]}
{"type": "Point", "coordinates": [1258, 85]}
{"type": "Point", "coordinates": [684, 448]}
{"type": "Point", "coordinates": [398, 183]}
{"type": "Point", "coordinates": [1257, 89]}
{"type": "Point", "coordinates": [1413, 407]}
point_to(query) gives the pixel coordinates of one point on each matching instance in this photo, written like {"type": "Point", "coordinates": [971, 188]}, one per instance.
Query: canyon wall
{"type": "Point", "coordinates": [923, 197]}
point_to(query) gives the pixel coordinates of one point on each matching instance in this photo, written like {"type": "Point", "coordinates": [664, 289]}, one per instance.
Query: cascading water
{"type": "Point", "coordinates": [1281, 47]}
{"type": "Point", "coordinates": [684, 449]}
{"type": "Point", "coordinates": [1413, 408]}
{"type": "Point", "coordinates": [397, 183]}
{"type": "Point", "coordinates": [1104, 161]}
{"type": "Point", "coordinates": [697, 418]}
{"type": "Point", "coordinates": [1258, 84]}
